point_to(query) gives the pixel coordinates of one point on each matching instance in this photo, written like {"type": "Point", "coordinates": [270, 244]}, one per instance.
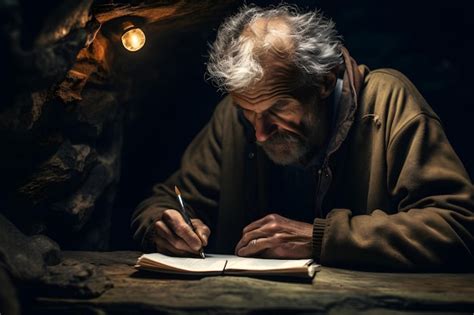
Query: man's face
{"type": "Point", "coordinates": [288, 125]}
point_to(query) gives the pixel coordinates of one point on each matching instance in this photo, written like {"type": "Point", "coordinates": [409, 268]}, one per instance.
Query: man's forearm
{"type": "Point", "coordinates": [427, 239]}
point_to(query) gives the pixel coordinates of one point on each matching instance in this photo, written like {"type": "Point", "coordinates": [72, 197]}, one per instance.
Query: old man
{"type": "Point", "coordinates": [313, 156]}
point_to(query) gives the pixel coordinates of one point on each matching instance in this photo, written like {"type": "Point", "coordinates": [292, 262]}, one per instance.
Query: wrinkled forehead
{"type": "Point", "coordinates": [276, 82]}
{"type": "Point", "coordinates": [279, 80]}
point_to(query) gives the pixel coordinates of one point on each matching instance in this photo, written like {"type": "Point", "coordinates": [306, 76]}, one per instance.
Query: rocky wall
{"type": "Point", "coordinates": [60, 125]}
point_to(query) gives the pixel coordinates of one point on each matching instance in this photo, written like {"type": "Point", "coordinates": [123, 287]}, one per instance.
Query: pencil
{"type": "Point", "coordinates": [186, 217]}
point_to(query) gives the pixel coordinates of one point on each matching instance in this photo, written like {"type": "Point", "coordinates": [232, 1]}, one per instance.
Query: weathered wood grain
{"type": "Point", "coordinates": [333, 291]}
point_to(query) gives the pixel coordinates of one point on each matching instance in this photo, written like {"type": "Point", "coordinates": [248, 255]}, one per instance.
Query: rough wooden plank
{"type": "Point", "coordinates": [334, 290]}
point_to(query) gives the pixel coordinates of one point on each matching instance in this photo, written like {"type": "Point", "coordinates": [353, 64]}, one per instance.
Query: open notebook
{"type": "Point", "coordinates": [215, 264]}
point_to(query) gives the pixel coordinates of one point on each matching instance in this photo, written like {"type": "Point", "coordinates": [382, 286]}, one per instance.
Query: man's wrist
{"type": "Point", "coordinates": [149, 236]}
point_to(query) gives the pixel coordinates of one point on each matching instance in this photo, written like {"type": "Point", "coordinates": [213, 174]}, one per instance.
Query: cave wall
{"type": "Point", "coordinates": [60, 123]}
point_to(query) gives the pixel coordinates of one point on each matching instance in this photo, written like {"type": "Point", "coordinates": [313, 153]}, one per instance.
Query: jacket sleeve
{"type": "Point", "coordinates": [197, 178]}
{"type": "Point", "coordinates": [434, 227]}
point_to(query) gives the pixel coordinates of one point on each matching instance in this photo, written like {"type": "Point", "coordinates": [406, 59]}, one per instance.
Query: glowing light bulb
{"type": "Point", "coordinates": [133, 39]}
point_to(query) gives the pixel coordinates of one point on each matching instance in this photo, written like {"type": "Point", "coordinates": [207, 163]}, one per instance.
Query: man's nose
{"type": "Point", "coordinates": [264, 127]}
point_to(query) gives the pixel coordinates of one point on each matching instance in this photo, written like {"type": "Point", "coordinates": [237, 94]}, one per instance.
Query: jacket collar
{"type": "Point", "coordinates": [352, 80]}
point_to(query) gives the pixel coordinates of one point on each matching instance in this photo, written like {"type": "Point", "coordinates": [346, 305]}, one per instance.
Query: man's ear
{"type": "Point", "coordinates": [328, 84]}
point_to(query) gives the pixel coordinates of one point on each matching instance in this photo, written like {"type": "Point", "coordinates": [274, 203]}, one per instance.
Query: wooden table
{"type": "Point", "coordinates": [334, 291]}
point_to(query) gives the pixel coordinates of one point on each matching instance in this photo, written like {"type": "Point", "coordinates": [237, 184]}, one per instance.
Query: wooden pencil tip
{"type": "Point", "coordinates": [176, 189]}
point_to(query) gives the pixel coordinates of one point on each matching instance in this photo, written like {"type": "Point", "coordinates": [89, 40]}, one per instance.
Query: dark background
{"type": "Point", "coordinates": [171, 101]}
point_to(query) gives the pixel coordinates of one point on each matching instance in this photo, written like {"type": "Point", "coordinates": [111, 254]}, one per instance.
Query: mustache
{"type": "Point", "coordinates": [281, 137]}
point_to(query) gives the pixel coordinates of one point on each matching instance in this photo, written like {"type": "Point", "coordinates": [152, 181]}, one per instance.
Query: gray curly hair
{"type": "Point", "coordinates": [312, 46]}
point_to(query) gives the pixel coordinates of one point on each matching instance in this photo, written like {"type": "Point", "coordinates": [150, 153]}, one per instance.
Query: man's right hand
{"type": "Point", "coordinates": [176, 237]}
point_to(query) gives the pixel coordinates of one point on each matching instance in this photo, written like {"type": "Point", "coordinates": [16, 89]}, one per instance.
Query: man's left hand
{"type": "Point", "coordinates": [274, 236]}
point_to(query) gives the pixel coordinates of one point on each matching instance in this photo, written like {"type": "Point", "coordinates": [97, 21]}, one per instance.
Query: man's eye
{"type": "Point", "coordinates": [280, 106]}
{"type": "Point", "coordinates": [279, 109]}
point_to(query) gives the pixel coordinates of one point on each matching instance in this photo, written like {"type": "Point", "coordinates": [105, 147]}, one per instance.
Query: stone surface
{"type": "Point", "coordinates": [92, 67]}
{"type": "Point", "coordinates": [86, 119]}
{"type": "Point", "coordinates": [65, 16]}
{"type": "Point", "coordinates": [61, 121]}
{"type": "Point", "coordinates": [334, 291]}
{"type": "Point", "coordinates": [77, 208]}
{"type": "Point", "coordinates": [25, 258]}
{"type": "Point", "coordinates": [9, 303]}
{"type": "Point", "coordinates": [72, 279]}
{"type": "Point", "coordinates": [61, 173]}
{"type": "Point", "coordinates": [34, 265]}
{"type": "Point", "coordinates": [70, 89]}
{"type": "Point", "coordinates": [40, 68]}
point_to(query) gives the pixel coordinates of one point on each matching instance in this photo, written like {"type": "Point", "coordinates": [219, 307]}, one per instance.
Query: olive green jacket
{"type": "Point", "coordinates": [391, 194]}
